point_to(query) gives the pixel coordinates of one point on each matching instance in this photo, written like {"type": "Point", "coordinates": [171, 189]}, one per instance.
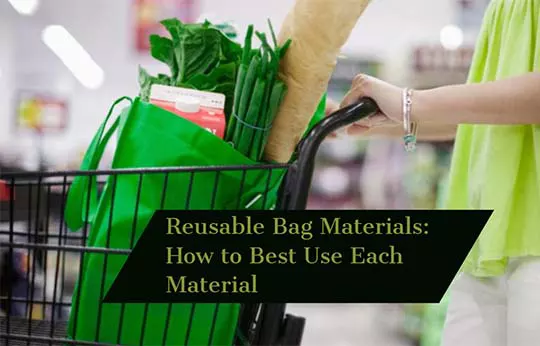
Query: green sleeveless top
{"type": "Point", "coordinates": [498, 167]}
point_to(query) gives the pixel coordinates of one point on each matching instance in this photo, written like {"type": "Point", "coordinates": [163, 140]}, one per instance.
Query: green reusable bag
{"type": "Point", "coordinates": [149, 136]}
{"type": "Point", "coordinates": [319, 113]}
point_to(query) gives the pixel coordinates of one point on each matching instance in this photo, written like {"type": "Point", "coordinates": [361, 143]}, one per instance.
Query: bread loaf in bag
{"type": "Point", "coordinates": [318, 30]}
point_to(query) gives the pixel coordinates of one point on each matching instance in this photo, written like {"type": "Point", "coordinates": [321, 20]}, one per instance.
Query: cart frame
{"type": "Point", "coordinates": [258, 324]}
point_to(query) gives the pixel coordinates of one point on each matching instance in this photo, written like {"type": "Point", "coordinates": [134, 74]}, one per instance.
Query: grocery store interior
{"type": "Point", "coordinates": [68, 60]}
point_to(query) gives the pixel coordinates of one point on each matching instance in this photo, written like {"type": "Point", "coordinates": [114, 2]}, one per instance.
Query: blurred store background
{"type": "Point", "coordinates": [62, 63]}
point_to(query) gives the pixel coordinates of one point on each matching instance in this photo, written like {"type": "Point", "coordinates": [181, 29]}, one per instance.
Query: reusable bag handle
{"type": "Point", "coordinates": [77, 212]}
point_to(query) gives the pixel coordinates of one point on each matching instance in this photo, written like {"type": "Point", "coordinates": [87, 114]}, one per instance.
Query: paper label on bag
{"type": "Point", "coordinates": [205, 109]}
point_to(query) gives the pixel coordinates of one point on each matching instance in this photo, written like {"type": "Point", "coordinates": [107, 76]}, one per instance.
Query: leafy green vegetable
{"type": "Point", "coordinates": [276, 98]}
{"type": "Point", "coordinates": [230, 50]}
{"type": "Point", "coordinates": [245, 97]}
{"type": "Point", "coordinates": [258, 94]}
{"type": "Point", "coordinates": [246, 92]}
{"type": "Point", "coordinates": [194, 60]}
{"type": "Point", "coordinates": [199, 56]}
{"type": "Point", "coordinates": [245, 141]}
{"type": "Point", "coordinates": [243, 69]}
{"type": "Point", "coordinates": [161, 48]}
{"type": "Point", "coordinates": [146, 81]}
{"type": "Point", "coordinates": [273, 33]}
{"type": "Point", "coordinates": [284, 48]}
{"type": "Point", "coordinates": [219, 75]}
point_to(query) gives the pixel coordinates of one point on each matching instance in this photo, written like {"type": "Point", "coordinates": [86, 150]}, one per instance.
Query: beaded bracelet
{"type": "Point", "coordinates": [409, 126]}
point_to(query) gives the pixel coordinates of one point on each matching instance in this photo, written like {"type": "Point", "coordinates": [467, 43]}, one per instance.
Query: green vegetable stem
{"type": "Point", "coordinates": [245, 141]}
{"type": "Point", "coordinates": [269, 72]}
{"type": "Point", "coordinates": [245, 98]}
{"type": "Point", "coordinates": [258, 95]}
{"type": "Point", "coordinates": [276, 98]}
{"type": "Point", "coordinates": [246, 57]}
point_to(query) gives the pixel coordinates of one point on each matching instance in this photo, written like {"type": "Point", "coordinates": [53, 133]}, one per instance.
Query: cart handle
{"type": "Point", "coordinates": [308, 147]}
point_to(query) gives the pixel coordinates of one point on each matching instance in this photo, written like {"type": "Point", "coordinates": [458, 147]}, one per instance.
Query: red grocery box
{"type": "Point", "coordinates": [205, 109]}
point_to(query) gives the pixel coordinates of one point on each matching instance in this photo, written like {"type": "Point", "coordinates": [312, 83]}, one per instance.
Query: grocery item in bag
{"type": "Point", "coordinates": [318, 30]}
{"type": "Point", "coordinates": [205, 109]}
{"type": "Point", "coordinates": [258, 94]}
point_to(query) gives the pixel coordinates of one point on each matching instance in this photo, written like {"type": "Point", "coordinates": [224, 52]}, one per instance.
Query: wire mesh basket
{"type": "Point", "coordinates": [41, 259]}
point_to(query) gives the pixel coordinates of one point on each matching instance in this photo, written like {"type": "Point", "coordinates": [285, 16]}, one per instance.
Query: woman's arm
{"type": "Point", "coordinates": [437, 111]}
{"type": "Point", "coordinates": [427, 132]}
{"type": "Point", "coordinates": [510, 101]}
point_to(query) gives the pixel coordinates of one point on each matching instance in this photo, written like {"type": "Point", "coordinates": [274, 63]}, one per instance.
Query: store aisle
{"type": "Point", "coordinates": [351, 324]}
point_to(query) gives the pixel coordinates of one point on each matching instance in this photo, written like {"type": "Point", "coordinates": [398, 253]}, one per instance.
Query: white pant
{"type": "Point", "coordinates": [500, 311]}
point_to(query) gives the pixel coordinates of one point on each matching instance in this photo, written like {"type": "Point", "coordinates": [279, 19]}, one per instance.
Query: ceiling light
{"type": "Point", "coordinates": [25, 7]}
{"type": "Point", "coordinates": [451, 37]}
{"type": "Point", "coordinates": [74, 56]}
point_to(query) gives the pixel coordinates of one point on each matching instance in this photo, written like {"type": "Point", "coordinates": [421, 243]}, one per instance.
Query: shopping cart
{"type": "Point", "coordinates": [40, 259]}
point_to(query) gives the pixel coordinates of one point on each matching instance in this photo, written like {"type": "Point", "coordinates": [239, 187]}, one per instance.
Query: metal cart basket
{"type": "Point", "coordinates": [40, 259]}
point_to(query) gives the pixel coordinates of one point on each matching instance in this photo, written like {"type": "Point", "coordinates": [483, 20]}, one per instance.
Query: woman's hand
{"type": "Point", "coordinates": [387, 97]}
{"type": "Point", "coordinates": [388, 123]}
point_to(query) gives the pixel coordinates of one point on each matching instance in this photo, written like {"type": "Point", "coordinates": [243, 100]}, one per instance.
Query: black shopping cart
{"type": "Point", "coordinates": [40, 259]}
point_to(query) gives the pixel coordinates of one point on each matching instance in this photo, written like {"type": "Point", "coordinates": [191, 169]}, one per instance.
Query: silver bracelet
{"type": "Point", "coordinates": [409, 127]}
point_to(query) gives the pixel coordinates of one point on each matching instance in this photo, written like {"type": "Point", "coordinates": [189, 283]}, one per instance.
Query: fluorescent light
{"type": "Point", "coordinates": [451, 37]}
{"type": "Point", "coordinates": [74, 56]}
{"type": "Point", "coordinates": [25, 7]}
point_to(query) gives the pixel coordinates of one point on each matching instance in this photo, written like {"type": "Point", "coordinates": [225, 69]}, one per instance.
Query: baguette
{"type": "Point", "coordinates": [318, 30]}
